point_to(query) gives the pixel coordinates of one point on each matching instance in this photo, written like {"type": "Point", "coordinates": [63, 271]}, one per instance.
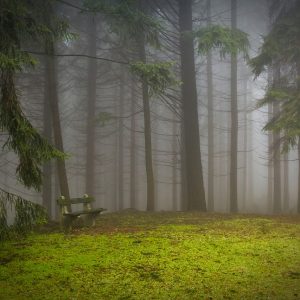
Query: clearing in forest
{"type": "Point", "coordinates": [134, 255]}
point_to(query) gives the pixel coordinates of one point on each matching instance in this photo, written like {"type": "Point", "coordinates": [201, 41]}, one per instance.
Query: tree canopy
{"type": "Point", "coordinates": [281, 47]}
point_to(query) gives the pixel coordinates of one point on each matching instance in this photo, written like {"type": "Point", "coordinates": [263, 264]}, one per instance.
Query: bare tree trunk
{"type": "Point", "coordinates": [115, 156]}
{"type": "Point", "coordinates": [276, 146]}
{"type": "Point", "coordinates": [47, 168]}
{"type": "Point", "coordinates": [245, 153]}
{"type": "Point", "coordinates": [92, 82]}
{"type": "Point", "coordinates": [133, 147]}
{"type": "Point", "coordinates": [210, 99]}
{"type": "Point", "coordinates": [286, 190]}
{"type": "Point", "coordinates": [194, 173]}
{"type": "Point", "coordinates": [53, 98]}
{"type": "Point", "coordinates": [121, 140]}
{"type": "Point", "coordinates": [174, 166]}
{"type": "Point", "coordinates": [183, 181]}
{"type": "Point", "coordinates": [270, 159]}
{"type": "Point", "coordinates": [147, 135]}
{"type": "Point", "coordinates": [234, 120]}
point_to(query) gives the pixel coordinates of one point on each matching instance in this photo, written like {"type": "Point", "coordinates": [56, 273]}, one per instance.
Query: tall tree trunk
{"type": "Point", "coordinates": [194, 173]}
{"type": "Point", "coordinates": [270, 159]}
{"type": "Point", "coordinates": [286, 190]}
{"type": "Point", "coordinates": [92, 83]}
{"type": "Point", "coordinates": [183, 181]}
{"type": "Point", "coordinates": [115, 177]}
{"type": "Point", "coordinates": [234, 119]}
{"type": "Point", "coordinates": [133, 147]}
{"type": "Point", "coordinates": [121, 140]}
{"type": "Point", "coordinates": [53, 98]}
{"type": "Point", "coordinates": [174, 166]}
{"type": "Point", "coordinates": [47, 168]}
{"type": "Point", "coordinates": [147, 135]}
{"type": "Point", "coordinates": [276, 146]}
{"type": "Point", "coordinates": [210, 99]}
{"type": "Point", "coordinates": [245, 142]}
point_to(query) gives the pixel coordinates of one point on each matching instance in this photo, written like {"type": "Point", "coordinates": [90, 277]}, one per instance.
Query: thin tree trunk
{"type": "Point", "coordinates": [92, 82]}
{"type": "Point", "coordinates": [133, 147]}
{"type": "Point", "coordinates": [276, 146]}
{"type": "Point", "coordinates": [174, 167]}
{"type": "Point", "coordinates": [245, 153]}
{"type": "Point", "coordinates": [194, 173]}
{"type": "Point", "coordinates": [53, 98]}
{"type": "Point", "coordinates": [234, 120]}
{"type": "Point", "coordinates": [210, 99]}
{"type": "Point", "coordinates": [183, 181]}
{"type": "Point", "coordinates": [286, 190]}
{"type": "Point", "coordinates": [121, 140]}
{"type": "Point", "coordinates": [47, 168]}
{"type": "Point", "coordinates": [270, 159]}
{"type": "Point", "coordinates": [147, 135]}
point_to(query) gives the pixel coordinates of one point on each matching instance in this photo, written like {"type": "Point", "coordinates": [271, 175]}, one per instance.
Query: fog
{"type": "Point", "coordinates": [102, 118]}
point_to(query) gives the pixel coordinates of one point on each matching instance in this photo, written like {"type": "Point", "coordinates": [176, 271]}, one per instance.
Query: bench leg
{"type": "Point", "coordinates": [89, 220]}
{"type": "Point", "coordinates": [67, 223]}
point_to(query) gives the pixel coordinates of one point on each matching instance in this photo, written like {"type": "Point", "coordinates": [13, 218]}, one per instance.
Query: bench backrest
{"type": "Point", "coordinates": [65, 203]}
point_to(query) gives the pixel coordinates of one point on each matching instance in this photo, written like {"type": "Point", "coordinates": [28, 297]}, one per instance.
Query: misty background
{"type": "Point", "coordinates": [101, 116]}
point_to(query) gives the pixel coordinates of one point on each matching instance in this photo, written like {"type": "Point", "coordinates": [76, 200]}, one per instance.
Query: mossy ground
{"type": "Point", "coordinates": [135, 255]}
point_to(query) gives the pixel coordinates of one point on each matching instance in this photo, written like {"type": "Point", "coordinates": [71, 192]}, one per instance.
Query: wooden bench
{"type": "Point", "coordinates": [88, 214]}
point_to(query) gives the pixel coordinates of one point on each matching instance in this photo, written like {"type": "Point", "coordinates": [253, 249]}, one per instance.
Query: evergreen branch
{"type": "Point", "coordinates": [226, 40]}
{"type": "Point", "coordinates": [27, 214]}
{"type": "Point", "coordinates": [80, 55]}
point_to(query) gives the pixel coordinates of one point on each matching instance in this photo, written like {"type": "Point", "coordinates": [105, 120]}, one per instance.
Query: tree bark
{"type": "Point", "coordinates": [47, 168]}
{"type": "Point", "coordinates": [210, 107]}
{"type": "Point", "coordinates": [194, 173]}
{"type": "Point", "coordinates": [121, 140]}
{"type": "Point", "coordinates": [276, 146]}
{"type": "Point", "coordinates": [147, 135]}
{"type": "Point", "coordinates": [234, 120]}
{"type": "Point", "coordinates": [91, 107]}
{"type": "Point", "coordinates": [58, 140]}
{"type": "Point", "coordinates": [133, 147]}
{"type": "Point", "coordinates": [174, 166]}
{"type": "Point", "coordinates": [286, 190]}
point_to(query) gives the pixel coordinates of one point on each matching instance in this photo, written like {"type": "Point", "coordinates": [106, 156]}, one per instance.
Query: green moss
{"type": "Point", "coordinates": [158, 256]}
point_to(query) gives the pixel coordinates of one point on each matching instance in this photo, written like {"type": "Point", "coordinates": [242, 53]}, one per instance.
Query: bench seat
{"type": "Point", "coordinates": [68, 216]}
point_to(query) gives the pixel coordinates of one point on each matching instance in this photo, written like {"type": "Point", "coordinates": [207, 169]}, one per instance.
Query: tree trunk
{"type": "Point", "coordinates": [194, 173]}
{"type": "Point", "coordinates": [276, 146]}
{"type": "Point", "coordinates": [245, 142]}
{"type": "Point", "coordinates": [270, 159]}
{"type": "Point", "coordinates": [210, 107]}
{"type": "Point", "coordinates": [286, 190]}
{"type": "Point", "coordinates": [234, 120]}
{"type": "Point", "coordinates": [147, 135]}
{"type": "Point", "coordinates": [133, 147]}
{"type": "Point", "coordinates": [91, 102]}
{"type": "Point", "coordinates": [47, 168]}
{"type": "Point", "coordinates": [121, 140]}
{"type": "Point", "coordinates": [53, 98]}
{"type": "Point", "coordinates": [174, 166]}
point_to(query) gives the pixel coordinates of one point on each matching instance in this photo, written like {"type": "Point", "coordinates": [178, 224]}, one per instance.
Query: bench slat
{"type": "Point", "coordinates": [75, 200]}
{"type": "Point", "coordinates": [84, 212]}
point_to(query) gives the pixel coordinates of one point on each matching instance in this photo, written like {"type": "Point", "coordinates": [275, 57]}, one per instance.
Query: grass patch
{"type": "Point", "coordinates": [158, 256]}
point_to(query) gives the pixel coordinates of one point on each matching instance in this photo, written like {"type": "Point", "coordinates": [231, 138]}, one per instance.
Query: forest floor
{"type": "Point", "coordinates": [135, 255]}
